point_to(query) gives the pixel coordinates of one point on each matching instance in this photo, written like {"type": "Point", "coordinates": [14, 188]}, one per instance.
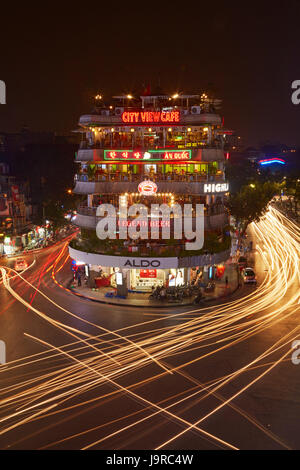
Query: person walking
{"type": "Point", "coordinates": [79, 279]}
{"type": "Point", "coordinates": [226, 281]}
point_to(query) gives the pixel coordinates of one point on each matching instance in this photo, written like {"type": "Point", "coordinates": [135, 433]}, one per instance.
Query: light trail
{"type": "Point", "coordinates": [198, 335]}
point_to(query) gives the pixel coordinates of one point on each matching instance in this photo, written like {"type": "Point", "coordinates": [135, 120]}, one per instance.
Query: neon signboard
{"type": "Point", "coordinates": [147, 188]}
{"type": "Point", "coordinates": [269, 161]}
{"type": "Point", "coordinates": [148, 117]}
{"type": "Point", "coordinates": [216, 187]}
{"type": "Point", "coordinates": [148, 273]}
{"type": "Point", "coordinates": [143, 223]}
{"type": "Point", "coordinates": [174, 155]}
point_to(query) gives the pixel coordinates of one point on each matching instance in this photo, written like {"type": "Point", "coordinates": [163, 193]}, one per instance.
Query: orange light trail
{"type": "Point", "coordinates": [160, 348]}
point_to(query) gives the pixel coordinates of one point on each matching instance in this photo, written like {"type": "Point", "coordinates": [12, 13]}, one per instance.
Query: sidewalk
{"type": "Point", "coordinates": [50, 244]}
{"type": "Point", "coordinates": [142, 300]}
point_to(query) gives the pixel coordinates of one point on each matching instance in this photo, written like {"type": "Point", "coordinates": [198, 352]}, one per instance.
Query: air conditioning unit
{"type": "Point", "coordinates": [195, 109]}
{"type": "Point", "coordinates": [104, 112]}
{"type": "Point", "coordinates": [184, 112]}
{"type": "Point", "coordinates": [119, 111]}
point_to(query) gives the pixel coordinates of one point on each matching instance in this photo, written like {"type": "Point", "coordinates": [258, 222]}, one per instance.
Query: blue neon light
{"type": "Point", "coordinates": [271, 161]}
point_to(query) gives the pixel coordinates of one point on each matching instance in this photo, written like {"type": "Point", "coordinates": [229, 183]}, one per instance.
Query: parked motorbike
{"type": "Point", "coordinates": [210, 287]}
{"type": "Point", "coordinates": [198, 299]}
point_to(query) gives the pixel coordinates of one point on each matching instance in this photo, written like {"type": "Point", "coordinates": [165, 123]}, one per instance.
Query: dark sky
{"type": "Point", "coordinates": [55, 58]}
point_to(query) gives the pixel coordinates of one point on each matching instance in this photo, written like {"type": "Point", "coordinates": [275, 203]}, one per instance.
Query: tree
{"type": "Point", "coordinates": [251, 202]}
{"type": "Point", "coordinates": [55, 213]}
{"type": "Point", "coordinates": [292, 187]}
{"type": "Point", "coordinates": [240, 174]}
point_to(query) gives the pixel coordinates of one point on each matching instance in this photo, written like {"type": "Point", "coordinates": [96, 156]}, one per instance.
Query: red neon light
{"type": "Point", "coordinates": [148, 273]}
{"type": "Point", "coordinates": [143, 223]}
{"type": "Point", "coordinates": [176, 155]}
{"type": "Point", "coordinates": [136, 155]}
{"type": "Point", "coordinates": [125, 155]}
{"type": "Point", "coordinates": [162, 162]}
{"type": "Point", "coordinates": [146, 117]}
{"type": "Point", "coordinates": [147, 187]}
{"type": "Point", "coordinates": [271, 160]}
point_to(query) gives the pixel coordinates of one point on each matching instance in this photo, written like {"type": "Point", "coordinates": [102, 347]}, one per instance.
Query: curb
{"type": "Point", "coordinates": [207, 300]}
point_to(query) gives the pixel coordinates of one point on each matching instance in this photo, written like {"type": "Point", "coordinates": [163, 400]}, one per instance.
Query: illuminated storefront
{"type": "Point", "coordinates": [150, 151]}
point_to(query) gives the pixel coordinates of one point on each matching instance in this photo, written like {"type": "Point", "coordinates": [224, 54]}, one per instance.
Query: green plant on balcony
{"type": "Point", "coordinates": [91, 170]}
{"type": "Point", "coordinates": [213, 243]}
{"type": "Point", "coordinates": [212, 170]}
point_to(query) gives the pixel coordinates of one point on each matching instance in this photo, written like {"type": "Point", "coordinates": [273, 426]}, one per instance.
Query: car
{"type": "Point", "coordinates": [242, 262]}
{"type": "Point", "coordinates": [20, 264]}
{"type": "Point", "coordinates": [249, 276]}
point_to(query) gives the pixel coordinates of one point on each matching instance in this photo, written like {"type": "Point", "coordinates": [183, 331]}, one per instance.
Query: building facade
{"type": "Point", "coordinates": [151, 150]}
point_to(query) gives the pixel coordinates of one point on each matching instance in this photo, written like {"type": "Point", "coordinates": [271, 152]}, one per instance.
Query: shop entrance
{"type": "Point", "coordinates": [146, 279]}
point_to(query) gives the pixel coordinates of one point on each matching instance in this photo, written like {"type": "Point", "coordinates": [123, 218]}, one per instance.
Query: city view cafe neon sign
{"type": "Point", "coordinates": [150, 155]}
{"type": "Point", "coordinates": [148, 117]}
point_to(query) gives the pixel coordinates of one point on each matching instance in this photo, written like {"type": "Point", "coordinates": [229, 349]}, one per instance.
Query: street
{"type": "Point", "coordinates": [84, 375]}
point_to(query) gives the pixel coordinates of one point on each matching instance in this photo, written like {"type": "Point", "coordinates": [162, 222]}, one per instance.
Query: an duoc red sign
{"type": "Point", "coordinates": [150, 117]}
{"type": "Point", "coordinates": [148, 273]}
{"type": "Point", "coordinates": [184, 155]}
{"type": "Point", "coordinates": [150, 155]}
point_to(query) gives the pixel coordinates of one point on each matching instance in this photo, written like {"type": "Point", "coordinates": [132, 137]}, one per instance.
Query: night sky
{"type": "Point", "coordinates": [54, 60]}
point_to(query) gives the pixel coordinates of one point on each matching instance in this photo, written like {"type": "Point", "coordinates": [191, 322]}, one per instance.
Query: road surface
{"type": "Point", "coordinates": [84, 375]}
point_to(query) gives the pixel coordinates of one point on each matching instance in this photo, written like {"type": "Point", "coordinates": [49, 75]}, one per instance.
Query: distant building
{"type": "Point", "coordinates": [15, 210]}
{"type": "Point", "coordinates": [155, 150]}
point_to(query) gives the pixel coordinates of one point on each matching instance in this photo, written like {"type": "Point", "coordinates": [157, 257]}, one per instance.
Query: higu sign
{"type": "Point", "coordinates": [216, 187]}
{"type": "Point", "coordinates": [150, 117]}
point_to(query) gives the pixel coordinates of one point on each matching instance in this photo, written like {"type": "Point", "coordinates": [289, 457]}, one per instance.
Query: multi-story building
{"type": "Point", "coordinates": [154, 149]}
{"type": "Point", "coordinates": [15, 211]}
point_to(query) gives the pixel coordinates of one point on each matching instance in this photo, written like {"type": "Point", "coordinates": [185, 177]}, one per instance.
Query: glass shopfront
{"type": "Point", "coordinates": [142, 280]}
{"type": "Point", "coordinates": [145, 279]}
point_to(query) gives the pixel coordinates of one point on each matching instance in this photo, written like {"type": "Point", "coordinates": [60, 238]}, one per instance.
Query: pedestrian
{"type": "Point", "coordinates": [79, 279]}
{"type": "Point", "coordinates": [226, 281]}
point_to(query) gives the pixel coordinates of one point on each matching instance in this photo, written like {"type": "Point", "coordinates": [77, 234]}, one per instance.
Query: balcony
{"type": "Point", "coordinates": [156, 177]}
{"type": "Point", "coordinates": [119, 183]}
{"type": "Point", "coordinates": [215, 218]}
{"type": "Point", "coordinates": [164, 260]}
{"type": "Point", "coordinates": [109, 118]}
{"type": "Point", "coordinates": [205, 153]}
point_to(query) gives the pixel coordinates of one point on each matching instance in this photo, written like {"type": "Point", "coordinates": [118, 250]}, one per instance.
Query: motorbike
{"type": "Point", "coordinates": [198, 299]}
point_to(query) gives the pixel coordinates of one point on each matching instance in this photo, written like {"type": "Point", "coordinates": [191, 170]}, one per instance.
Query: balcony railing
{"type": "Point", "coordinates": [212, 210]}
{"type": "Point", "coordinates": [109, 118]}
{"type": "Point", "coordinates": [177, 248]}
{"type": "Point", "coordinates": [144, 147]}
{"type": "Point", "coordinates": [187, 177]}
